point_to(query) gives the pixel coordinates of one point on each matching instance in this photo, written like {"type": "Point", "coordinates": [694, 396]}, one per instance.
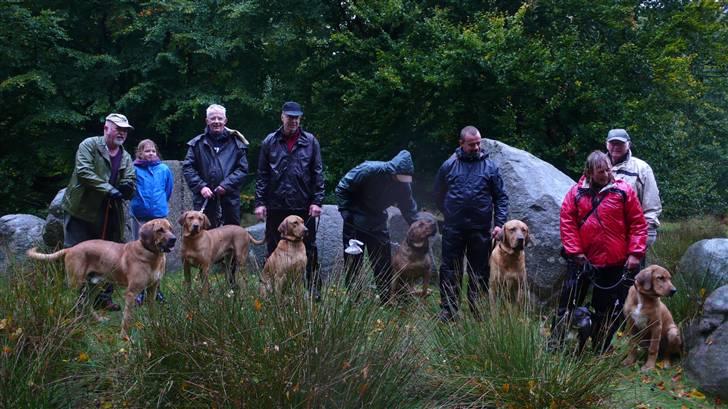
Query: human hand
{"type": "Point", "coordinates": [314, 210]}
{"type": "Point", "coordinates": [206, 192]}
{"type": "Point", "coordinates": [220, 191]}
{"type": "Point", "coordinates": [127, 190]}
{"type": "Point", "coordinates": [496, 232]}
{"type": "Point", "coordinates": [580, 259]}
{"type": "Point", "coordinates": [115, 194]}
{"type": "Point", "coordinates": [261, 212]}
{"type": "Point", "coordinates": [633, 262]}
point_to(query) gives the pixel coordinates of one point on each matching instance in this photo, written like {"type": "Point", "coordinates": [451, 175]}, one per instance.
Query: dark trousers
{"type": "Point", "coordinates": [380, 256]}
{"type": "Point", "coordinates": [475, 245]}
{"type": "Point", "coordinates": [608, 294]}
{"type": "Point", "coordinates": [273, 236]}
{"type": "Point", "coordinates": [76, 230]}
{"type": "Point", "coordinates": [220, 210]}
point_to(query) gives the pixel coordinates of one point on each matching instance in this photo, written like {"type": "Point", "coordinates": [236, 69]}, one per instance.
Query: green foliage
{"type": "Point", "coordinates": [39, 335]}
{"type": "Point", "coordinates": [503, 361]}
{"type": "Point", "coordinates": [374, 77]}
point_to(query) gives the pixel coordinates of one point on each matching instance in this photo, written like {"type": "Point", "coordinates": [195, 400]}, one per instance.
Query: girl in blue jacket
{"type": "Point", "coordinates": [154, 184]}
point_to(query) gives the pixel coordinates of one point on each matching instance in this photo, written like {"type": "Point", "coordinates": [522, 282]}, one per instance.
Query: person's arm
{"type": "Point", "coordinates": [651, 204]}
{"type": "Point", "coordinates": [127, 179]}
{"type": "Point", "coordinates": [407, 204]}
{"type": "Point", "coordinates": [500, 199]}
{"type": "Point", "coordinates": [191, 175]}
{"type": "Point", "coordinates": [263, 176]}
{"type": "Point", "coordinates": [439, 189]}
{"type": "Point", "coordinates": [85, 170]}
{"type": "Point", "coordinates": [569, 225]}
{"type": "Point", "coordinates": [317, 168]}
{"type": "Point", "coordinates": [168, 183]}
{"type": "Point", "coordinates": [234, 180]}
{"type": "Point", "coordinates": [635, 225]}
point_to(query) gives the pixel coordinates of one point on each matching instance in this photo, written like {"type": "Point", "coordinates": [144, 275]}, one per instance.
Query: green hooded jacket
{"type": "Point", "coordinates": [89, 185]}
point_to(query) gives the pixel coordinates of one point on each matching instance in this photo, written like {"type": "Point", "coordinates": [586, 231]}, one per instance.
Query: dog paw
{"type": "Point", "coordinates": [628, 362]}
{"type": "Point", "coordinates": [647, 368]}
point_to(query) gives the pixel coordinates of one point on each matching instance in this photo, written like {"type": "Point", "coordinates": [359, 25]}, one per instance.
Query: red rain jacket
{"type": "Point", "coordinates": [613, 231]}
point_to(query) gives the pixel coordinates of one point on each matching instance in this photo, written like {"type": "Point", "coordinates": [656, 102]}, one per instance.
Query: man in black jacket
{"type": "Point", "coordinates": [291, 182]}
{"type": "Point", "coordinates": [469, 192]}
{"type": "Point", "coordinates": [364, 194]}
{"type": "Point", "coordinates": [215, 167]}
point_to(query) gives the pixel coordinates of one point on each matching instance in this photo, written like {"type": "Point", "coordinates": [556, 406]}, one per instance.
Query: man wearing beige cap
{"type": "Point", "coordinates": [102, 177]}
{"type": "Point", "coordinates": [639, 175]}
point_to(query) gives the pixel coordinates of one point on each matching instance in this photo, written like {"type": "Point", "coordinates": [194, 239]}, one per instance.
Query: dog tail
{"type": "Point", "coordinates": [33, 253]}
{"type": "Point", "coordinates": [254, 241]}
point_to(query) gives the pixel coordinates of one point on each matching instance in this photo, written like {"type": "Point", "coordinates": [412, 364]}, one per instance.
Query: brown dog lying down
{"type": "Point", "coordinates": [508, 261]}
{"type": "Point", "coordinates": [202, 247]}
{"type": "Point", "coordinates": [135, 265]}
{"type": "Point", "coordinates": [412, 260]}
{"type": "Point", "coordinates": [648, 318]}
{"type": "Point", "coordinates": [288, 260]}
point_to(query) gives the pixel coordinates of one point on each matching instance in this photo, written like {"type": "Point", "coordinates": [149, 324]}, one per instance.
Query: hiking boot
{"type": "Point", "coordinates": [160, 297]}
{"type": "Point", "coordinates": [139, 299]}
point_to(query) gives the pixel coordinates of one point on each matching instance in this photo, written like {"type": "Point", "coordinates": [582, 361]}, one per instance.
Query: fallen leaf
{"type": "Point", "coordinates": [7, 350]}
{"type": "Point", "coordinates": [646, 379]}
{"type": "Point", "coordinates": [3, 323]}
{"type": "Point", "coordinates": [257, 305]}
{"type": "Point", "coordinates": [661, 386]}
{"type": "Point", "coordinates": [83, 357]}
{"type": "Point", "coordinates": [506, 387]}
{"type": "Point", "coordinates": [696, 394]}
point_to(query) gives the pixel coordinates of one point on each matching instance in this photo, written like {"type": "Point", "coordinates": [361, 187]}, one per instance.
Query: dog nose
{"type": "Point", "coordinates": [171, 241]}
{"type": "Point", "coordinates": [673, 290]}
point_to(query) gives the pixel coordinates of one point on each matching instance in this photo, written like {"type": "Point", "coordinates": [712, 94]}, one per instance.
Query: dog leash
{"type": "Point", "coordinates": [204, 205]}
{"type": "Point", "coordinates": [626, 277]}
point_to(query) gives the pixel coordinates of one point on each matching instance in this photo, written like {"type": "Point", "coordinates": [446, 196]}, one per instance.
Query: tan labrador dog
{"type": "Point", "coordinates": [412, 260]}
{"type": "Point", "coordinates": [508, 262]}
{"type": "Point", "coordinates": [135, 265]}
{"type": "Point", "coordinates": [648, 318]}
{"type": "Point", "coordinates": [202, 247]}
{"type": "Point", "coordinates": [288, 260]}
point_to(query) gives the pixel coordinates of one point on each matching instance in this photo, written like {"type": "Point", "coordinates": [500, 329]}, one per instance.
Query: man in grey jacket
{"type": "Point", "coordinates": [639, 175]}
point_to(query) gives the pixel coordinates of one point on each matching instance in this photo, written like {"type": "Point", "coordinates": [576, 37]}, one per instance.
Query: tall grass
{"type": "Point", "coordinates": [39, 335]}
{"type": "Point", "coordinates": [241, 351]}
{"type": "Point", "coordinates": [502, 361]}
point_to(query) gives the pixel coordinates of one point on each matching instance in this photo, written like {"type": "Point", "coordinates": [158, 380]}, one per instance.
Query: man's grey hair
{"type": "Point", "coordinates": [468, 130]}
{"type": "Point", "coordinates": [216, 107]}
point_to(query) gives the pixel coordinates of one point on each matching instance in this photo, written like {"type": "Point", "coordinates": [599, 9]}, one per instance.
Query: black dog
{"type": "Point", "coordinates": [581, 321]}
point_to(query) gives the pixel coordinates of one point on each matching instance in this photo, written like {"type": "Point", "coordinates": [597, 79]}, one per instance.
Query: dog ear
{"type": "Point", "coordinates": [644, 279]}
{"type": "Point", "coordinates": [527, 236]}
{"type": "Point", "coordinates": [283, 227]}
{"type": "Point", "coordinates": [146, 234]}
{"type": "Point", "coordinates": [206, 224]}
{"type": "Point", "coordinates": [181, 219]}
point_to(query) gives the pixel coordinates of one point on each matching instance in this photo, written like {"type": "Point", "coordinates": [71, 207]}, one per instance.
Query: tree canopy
{"type": "Point", "coordinates": [548, 76]}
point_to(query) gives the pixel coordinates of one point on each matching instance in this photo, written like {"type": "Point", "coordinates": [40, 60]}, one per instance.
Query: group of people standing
{"type": "Point", "coordinates": [606, 218]}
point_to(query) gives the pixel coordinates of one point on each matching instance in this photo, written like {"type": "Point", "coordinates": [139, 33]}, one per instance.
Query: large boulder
{"type": "Point", "coordinates": [709, 257]}
{"type": "Point", "coordinates": [706, 341]}
{"type": "Point", "coordinates": [18, 233]}
{"type": "Point", "coordinates": [53, 229]}
{"type": "Point", "coordinates": [535, 191]}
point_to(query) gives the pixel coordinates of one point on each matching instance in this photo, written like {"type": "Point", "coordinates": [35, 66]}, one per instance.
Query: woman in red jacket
{"type": "Point", "coordinates": [604, 233]}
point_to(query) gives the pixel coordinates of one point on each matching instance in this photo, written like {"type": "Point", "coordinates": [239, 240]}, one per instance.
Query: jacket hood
{"type": "Point", "coordinates": [402, 164]}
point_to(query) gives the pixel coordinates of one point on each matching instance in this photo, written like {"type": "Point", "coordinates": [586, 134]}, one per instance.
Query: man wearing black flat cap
{"type": "Point", "coordinates": [291, 182]}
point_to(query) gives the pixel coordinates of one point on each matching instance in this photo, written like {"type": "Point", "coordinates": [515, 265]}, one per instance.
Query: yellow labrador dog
{"type": "Point", "coordinates": [202, 247]}
{"type": "Point", "coordinates": [135, 265]}
{"type": "Point", "coordinates": [648, 318]}
{"type": "Point", "coordinates": [508, 261]}
{"type": "Point", "coordinates": [288, 260]}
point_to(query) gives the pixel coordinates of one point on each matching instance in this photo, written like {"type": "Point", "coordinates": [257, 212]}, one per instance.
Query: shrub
{"type": "Point", "coordinates": [503, 361]}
